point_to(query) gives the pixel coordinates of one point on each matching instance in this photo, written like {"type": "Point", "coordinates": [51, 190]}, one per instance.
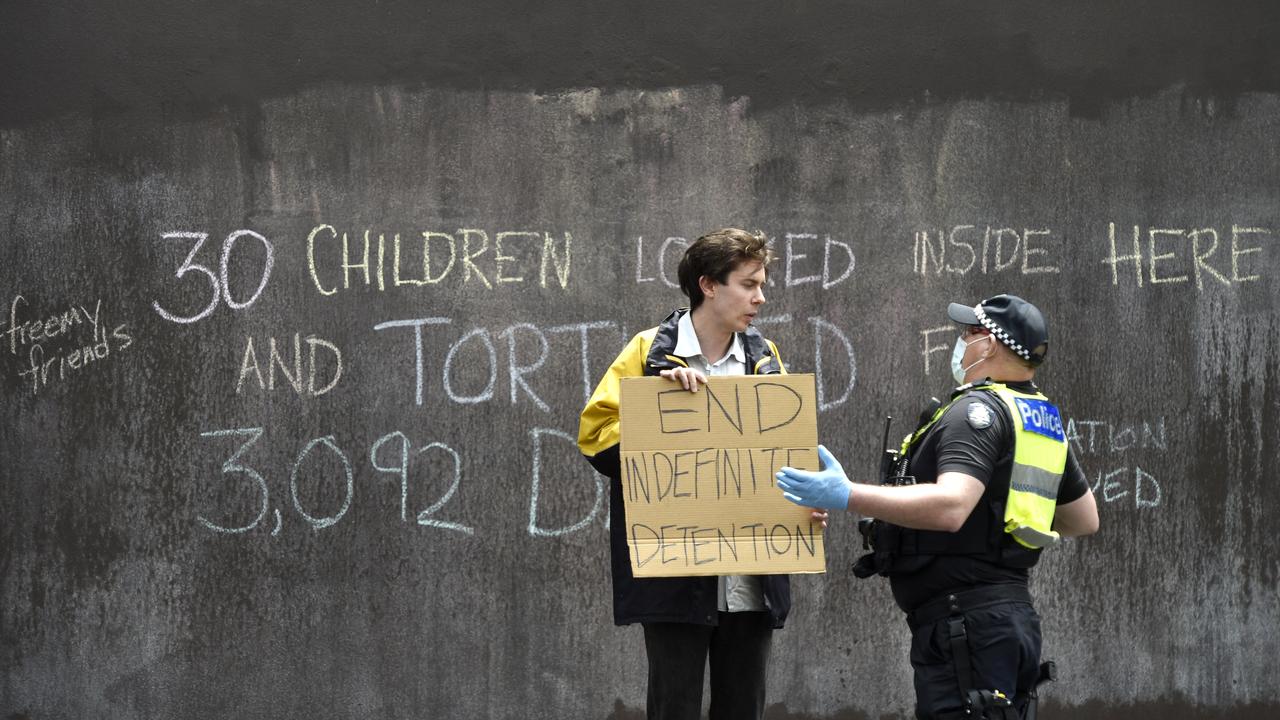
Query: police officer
{"type": "Point", "coordinates": [979, 490]}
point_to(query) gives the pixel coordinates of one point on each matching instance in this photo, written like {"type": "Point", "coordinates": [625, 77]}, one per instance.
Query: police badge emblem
{"type": "Point", "coordinates": [979, 415]}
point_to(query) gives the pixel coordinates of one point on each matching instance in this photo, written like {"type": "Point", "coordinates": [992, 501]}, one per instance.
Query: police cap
{"type": "Point", "coordinates": [1013, 321]}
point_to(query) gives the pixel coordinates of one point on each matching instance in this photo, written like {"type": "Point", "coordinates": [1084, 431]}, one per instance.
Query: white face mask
{"type": "Point", "coordinates": [957, 357]}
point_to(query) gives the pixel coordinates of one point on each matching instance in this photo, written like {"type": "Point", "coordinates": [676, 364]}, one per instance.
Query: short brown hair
{"type": "Point", "coordinates": [716, 255]}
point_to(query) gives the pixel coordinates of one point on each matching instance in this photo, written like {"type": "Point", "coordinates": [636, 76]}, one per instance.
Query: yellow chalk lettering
{"type": "Point", "coordinates": [311, 256]}
{"type": "Point", "coordinates": [396, 280]}
{"type": "Point", "coordinates": [1236, 233]}
{"type": "Point", "coordinates": [467, 255]}
{"type": "Point", "coordinates": [347, 265]}
{"type": "Point", "coordinates": [382, 253]}
{"type": "Point", "coordinates": [499, 258]}
{"type": "Point", "coordinates": [1152, 235]}
{"type": "Point", "coordinates": [426, 256]}
{"type": "Point", "coordinates": [552, 257]}
{"type": "Point", "coordinates": [1200, 263]}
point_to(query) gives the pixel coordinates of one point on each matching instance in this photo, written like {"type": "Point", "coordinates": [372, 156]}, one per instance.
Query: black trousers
{"type": "Point", "coordinates": [1004, 649]}
{"type": "Point", "coordinates": [738, 650]}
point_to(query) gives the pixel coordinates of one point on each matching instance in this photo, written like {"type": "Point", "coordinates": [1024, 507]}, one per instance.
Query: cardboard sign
{"type": "Point", "coordinates": [698, 476]}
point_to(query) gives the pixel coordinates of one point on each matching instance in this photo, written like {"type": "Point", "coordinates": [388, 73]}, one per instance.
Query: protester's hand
{"type": "Point", "coordinates": [688, 377]}
{"type": "Point", "coordinates": [827, 488]}
{"type": "Point", "coordinates": [819, 516]}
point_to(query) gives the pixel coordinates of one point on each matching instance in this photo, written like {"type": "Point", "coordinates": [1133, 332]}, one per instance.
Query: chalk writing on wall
{"type": "Point", "coordinates": [1097, 443]}
{"type": "Point", "coordinates": [52, 346]}
{"type": "Point", "coordinates": [1193, 257]}
{"type": "Point", "coordinates": [219, 284]}
{"type": "Point", "coordinates": [285, 367]}
{"type": "Point", "coordinates": [339, 261]}
{"type": "Point", "coordinates": [528, 346]}
{"type": "Point", "coordinates": [391, 454]}
{"type": "Point", "coordinates": [965, 249]}
{"type": "Point", "coordinates": [803, 258]}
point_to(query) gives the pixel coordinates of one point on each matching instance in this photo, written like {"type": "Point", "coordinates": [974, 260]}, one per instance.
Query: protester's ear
{"type": "Point", "coordinates": [708, 286]}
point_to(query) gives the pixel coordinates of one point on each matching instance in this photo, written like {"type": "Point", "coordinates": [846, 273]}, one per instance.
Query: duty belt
{"type": "Point", "coordinates": [956, 603]}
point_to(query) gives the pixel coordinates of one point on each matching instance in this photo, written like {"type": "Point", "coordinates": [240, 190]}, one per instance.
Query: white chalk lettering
{"type": "Point", "coordinates": [640, 262]}
{"type": "Point", "coordinates": [424, 517]}
{"type": "Point", "coordinates": [232, 465]}
{"type": "Point", "coordinates": [516, 372]}
{"type": "Point", "coordinates": [417, 325]}
{"type": "Point", "coordinates": [822, 327]}
{"type": "Point", "coordinates": [378, 456]}
{"type": "Point", "coordinates": [535, 529]}
{"type": "Point", "coordinates": [268, 263]}
{"type": "Point", "coordinates": [487, 392]}
{"type": "Point", "coordinates": [322, 522]}
{"type": "Point", "coordinates": [219, 284]}
{"type": "Point", "coordinates": [1180, 255]}
{"type": "Point", "coordinates": [959, 250]}
{"type": "Point", "coordinates": [583, 329]}
{"type": "Point", "coordinates": [947, 331]}
{"type": "Point", "coordinates": [469, 366]}
{"type": "Point", "coordinates": [55, 351]}
{"type": "Point", "coordinates": [680, 243]}
{"type": "Point", "coordinates": [1116, 484]}
{"type": "Point", "coordinates": [806, 258]}
{"type": "Point", "coordinates": [187, 266]}
{"type": "Point", "coordinates": [1094, 437]}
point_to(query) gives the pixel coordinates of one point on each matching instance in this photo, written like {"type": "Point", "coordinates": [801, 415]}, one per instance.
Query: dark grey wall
{"type": "Point", "coordinates": [856, 134]}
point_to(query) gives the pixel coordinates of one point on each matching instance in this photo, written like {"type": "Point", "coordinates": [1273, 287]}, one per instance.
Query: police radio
{"type": "Point", "coordinates": [890, 474]}
{"type": "Point", "coordinates": [889, 458]}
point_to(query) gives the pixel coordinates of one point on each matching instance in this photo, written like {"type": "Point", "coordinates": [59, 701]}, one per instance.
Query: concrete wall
{"type": "Point", "coordinates": [185, 534]}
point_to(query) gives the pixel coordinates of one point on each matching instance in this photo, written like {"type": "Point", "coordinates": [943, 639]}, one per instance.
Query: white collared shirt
{"type": "Point", "coordinates": [737, 593]}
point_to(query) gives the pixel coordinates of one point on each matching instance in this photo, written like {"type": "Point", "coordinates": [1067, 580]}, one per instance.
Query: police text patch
{"type": "Point", "coordinates": [1040, 417]}
{"type": "Point", "coordinates": [979, 415]}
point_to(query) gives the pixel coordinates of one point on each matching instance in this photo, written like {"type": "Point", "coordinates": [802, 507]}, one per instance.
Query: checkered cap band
{"type": "Point", "coordinates": [1000, 334]}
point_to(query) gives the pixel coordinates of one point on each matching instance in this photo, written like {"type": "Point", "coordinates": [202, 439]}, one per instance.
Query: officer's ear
{"type": "Point", "coordinates": [991, 349]}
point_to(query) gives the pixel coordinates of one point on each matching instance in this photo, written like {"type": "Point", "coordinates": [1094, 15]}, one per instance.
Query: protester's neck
{"type": "Point", "coordinates": [713, 338]}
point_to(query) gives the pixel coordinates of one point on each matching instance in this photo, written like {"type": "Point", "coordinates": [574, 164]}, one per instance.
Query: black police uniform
{"type": "Point", "coordinates": [977, 573]}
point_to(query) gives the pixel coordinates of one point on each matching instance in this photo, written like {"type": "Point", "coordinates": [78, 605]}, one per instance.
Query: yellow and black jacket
{"type": "Point", "coordinates": [691, 599]}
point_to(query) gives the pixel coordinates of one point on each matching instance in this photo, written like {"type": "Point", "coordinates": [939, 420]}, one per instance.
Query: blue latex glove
{"type": "Point", "coordinates": [827, 489]}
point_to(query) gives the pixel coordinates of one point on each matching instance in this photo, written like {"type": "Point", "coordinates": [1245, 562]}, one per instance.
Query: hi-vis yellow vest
{"type": "Point", "coordinates": [1039, 459]}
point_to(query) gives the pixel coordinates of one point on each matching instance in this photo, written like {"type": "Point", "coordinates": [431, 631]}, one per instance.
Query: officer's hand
{"type": "Point", "coordinates": [688, 377]}
{"type": "Point", "coordinates": [827, 489]}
